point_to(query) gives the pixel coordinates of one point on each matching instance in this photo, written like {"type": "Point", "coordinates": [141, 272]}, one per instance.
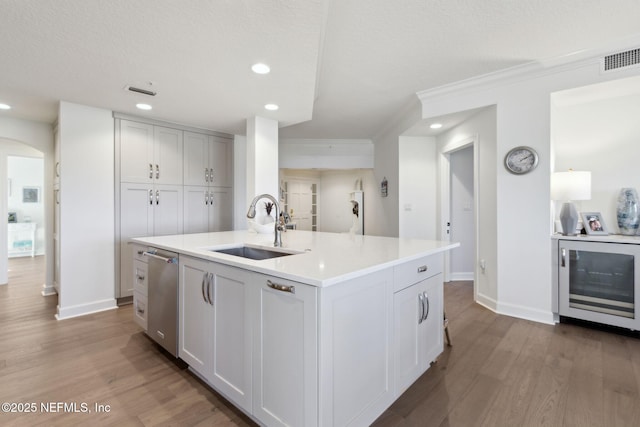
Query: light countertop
{"type": "Point", "coordinates": [608, 238]}
{"type": "Point", "coordinates": [324, 259]}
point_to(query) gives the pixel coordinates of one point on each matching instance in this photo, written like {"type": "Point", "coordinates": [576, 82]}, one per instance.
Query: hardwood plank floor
{"type": "Point", "coordinates": [500, 371]}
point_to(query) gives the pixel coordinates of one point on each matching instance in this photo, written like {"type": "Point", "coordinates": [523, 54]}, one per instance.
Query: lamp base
{"type": "Point", "coordinates": [569, 219]}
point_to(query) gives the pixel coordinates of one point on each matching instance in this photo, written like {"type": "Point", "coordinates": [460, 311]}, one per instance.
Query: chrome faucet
{"type": "Point", "coordinates": [251, 213]}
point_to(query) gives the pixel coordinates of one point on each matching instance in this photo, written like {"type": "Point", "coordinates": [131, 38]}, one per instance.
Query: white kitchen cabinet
{"type": "Point", "coordinates": [150, 154]}
{"type": "Point", "coordinates": [140, 281]}
{"type": "Point", "coordinates": [214, 326]}
{"type": "Point", "coordinates": [417, 330]}
{"type": "Point", "coordinates": [207, 209]}
{"type": "Point", "coordinates": [356, 361]}
{"type": "Point", "coordinates": [208, 160]}
{"type": "Point", "coordinates": [146, 210]}
{"type": "Point", "coordinates": [285, 351]}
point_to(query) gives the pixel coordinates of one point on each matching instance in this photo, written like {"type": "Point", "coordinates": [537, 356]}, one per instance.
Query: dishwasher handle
{"type": "Point", "coordinates": [167, 260]}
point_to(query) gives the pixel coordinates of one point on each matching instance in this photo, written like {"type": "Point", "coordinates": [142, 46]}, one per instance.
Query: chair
{"type": "Point", "coordinates": [446, 329]}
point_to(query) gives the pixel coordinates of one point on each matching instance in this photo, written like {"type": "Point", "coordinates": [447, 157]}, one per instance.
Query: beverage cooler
{"type": "Point", "coordinates": [597, 282]}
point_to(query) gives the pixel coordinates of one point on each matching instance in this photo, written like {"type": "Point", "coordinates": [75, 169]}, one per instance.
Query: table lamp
{"type": "Point", "coordinates": [569, 186]}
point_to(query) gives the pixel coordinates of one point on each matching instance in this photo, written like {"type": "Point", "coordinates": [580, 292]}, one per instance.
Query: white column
{"type": "Point", "coordinates": [262, 157]}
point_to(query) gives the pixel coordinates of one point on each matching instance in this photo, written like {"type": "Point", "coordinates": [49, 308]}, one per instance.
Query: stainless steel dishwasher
{"type": "Point", "coordinates": [162, 304]}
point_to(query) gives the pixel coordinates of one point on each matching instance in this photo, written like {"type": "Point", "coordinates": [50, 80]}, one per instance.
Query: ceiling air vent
{"type": "Point", "coordinates": [142, 91]}
{"type": "Point", "coordinates": [621, 60]}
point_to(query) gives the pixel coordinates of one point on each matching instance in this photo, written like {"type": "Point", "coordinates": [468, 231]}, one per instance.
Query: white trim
{"type": "Point", "coordinates": [469, 275]}
{"type": "Point", "coordinates": [532, 70]}
{"type": "Point", "coordinates": [48, 290]}
{"type": "Point", "coordinates": [486, 302]}
{"type": "Point", "coordinates": [526, 313]}
{"type": "Point", "coordinates": [84, 309]}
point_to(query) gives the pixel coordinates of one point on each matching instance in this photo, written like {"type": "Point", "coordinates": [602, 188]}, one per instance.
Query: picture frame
{"type": "Point", "coordinates": [30, 195]}
{"type": "Point", "coordinates": [594, 224]}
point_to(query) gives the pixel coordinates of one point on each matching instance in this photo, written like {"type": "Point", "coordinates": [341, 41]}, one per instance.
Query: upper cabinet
{"type": "Point", "coordinates": [207, 160]}
{"type": "Point", "coordinates": [150, 154]}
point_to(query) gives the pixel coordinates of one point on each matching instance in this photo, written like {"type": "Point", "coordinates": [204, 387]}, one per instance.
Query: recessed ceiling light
{"type": "Point", "coordinates": [5, 107]}
{"type": "Point", "coordinates": [271, 107]}
{"type": "Point", "coordinates": [436, 126]}
{"type": "Point", "coordinates": [144, 106]}
{"type": "Point", "coordinates": [260, 68]}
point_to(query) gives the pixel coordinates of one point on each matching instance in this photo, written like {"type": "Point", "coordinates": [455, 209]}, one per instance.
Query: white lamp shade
{"type": "Point", "coordinates": [571, 185]}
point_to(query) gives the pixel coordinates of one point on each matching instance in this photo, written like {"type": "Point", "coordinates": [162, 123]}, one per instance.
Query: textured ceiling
{"type": "Point", "coordinates": [340, 68]}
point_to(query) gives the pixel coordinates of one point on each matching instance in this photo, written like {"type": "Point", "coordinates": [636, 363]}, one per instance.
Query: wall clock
{"type": "Point", "coordinates": [521, 160]}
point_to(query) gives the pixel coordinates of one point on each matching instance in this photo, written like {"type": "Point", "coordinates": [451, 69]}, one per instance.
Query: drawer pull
{"type": "Point", "coordinates": [140, 277]}
{"type": "Point", "coordinates": [422, 269]}
{"type": "Point", "coordinates": [279, 287]}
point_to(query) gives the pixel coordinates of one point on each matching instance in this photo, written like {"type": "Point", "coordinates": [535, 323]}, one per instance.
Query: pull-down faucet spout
{"type": "Point", "coordinates": [251, 213]}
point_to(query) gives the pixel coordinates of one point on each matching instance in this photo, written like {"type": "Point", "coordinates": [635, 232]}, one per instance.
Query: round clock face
{"type": "Point", "coordinates": [521, 160]}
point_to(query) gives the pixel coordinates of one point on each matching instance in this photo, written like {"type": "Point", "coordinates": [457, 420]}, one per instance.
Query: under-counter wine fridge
{"type": "Point", "coordinates": [597, 282]}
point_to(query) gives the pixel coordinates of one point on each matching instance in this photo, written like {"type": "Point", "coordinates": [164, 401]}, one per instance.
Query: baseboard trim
{"type": "Point", "coordinates": [84, 309]}
{"type": "Point", "coordinates": [487, 302]}
{"type": "Point", "coordinates": [461, 276]}
{"type": "Point", "coordinates": [526, 313]}
{"type": "Point", "coordinates": [48, 290]}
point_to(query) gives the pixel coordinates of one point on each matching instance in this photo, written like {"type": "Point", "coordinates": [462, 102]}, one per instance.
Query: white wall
{"type": "Point", "coordinates": [596, 128]}
{"type": "Point", "coordinates": [14, 133]}
{"type": "Point", "coordinates": [262, 169]}
{"type": "Point", "coordinates": [462, 214]}
{"type": "Point", "coordinates": [240, 194]}
{"type": "Point", "coordinates": [417, 191]}
{"type": "Point", "coordinates": [522, 96]}
{"type": "Point", "coordinates": [87, 252]}
{"type": "Point", "coordinates": [386, 164]}
{"type": "Point", "coordinates": [28, 172]}
{"type": "Point", "coordinates": [326, 153]}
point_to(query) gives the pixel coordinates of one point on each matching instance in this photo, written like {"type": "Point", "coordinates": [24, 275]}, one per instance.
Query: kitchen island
{"type": "Point", "coordinates": [328, 335]}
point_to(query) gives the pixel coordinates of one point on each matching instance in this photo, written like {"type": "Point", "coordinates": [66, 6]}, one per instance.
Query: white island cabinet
{"type": "Point", "coordinates": [329, 334]}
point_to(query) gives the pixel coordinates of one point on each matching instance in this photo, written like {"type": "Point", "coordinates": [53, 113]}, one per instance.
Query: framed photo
{"type": "Point", "coordinates": [594, 224]}
{"type": "Point", "coordinates": [30, 195]}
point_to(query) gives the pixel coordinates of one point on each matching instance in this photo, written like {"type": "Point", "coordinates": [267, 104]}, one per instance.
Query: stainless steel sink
{"type": "Point", "coordinates": [252, 252]}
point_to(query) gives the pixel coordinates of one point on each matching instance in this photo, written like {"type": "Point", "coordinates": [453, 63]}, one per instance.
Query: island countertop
{"type": "Point", "coordinates": [320, 259]}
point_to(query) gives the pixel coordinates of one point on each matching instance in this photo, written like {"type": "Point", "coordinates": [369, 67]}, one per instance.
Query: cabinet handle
{"type": "Point", "coordinates": [279, 287]}
{"type": "Point", "coordinates": [57, 197]}
{"type": "Point", "coordinates": [426, 303]}
{"type": "Point", "coordinates": [204, 277]}
{"type": "Point", "coordinates": [206, 174]}
{"type": "Point", "coordinates": [139, 277]}
{"type": "Point", "coordinates": [157, 197]}
{"type": "Point", "coordinates": [421, 308]}
{"type": "Point", "coordinates": [139, 310]}
{"type": "Point", "coordinates": [422, 269]}
{"type": "Point", "coordinates": [206, 197]}
{"type": "Point", "coordinates": [157, 171]}
{"type": "Point", "coordinates": [151, 197]}
{"type": "Point", "coordinates": [150, 171]}
{"type": "Point", "coordinates": [57, 169]}
{"type": "Point", "coordinates": [211, 175]}
{"type": "Point", "coordinates": [140, 252]}
{"type": "Point", "coordinates": [563, 262]}
{"type": "Point", "coordinates": [209, 284]}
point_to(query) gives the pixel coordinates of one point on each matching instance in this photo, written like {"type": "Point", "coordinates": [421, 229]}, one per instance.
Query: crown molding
{"type": "Point", "coordinates": [531, 70]}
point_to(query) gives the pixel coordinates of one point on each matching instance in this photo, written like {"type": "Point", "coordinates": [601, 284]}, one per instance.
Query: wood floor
{"type": "Point", "coordinates": [500, 371]}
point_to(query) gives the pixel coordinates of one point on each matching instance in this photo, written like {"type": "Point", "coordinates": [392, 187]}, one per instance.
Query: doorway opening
{"type": "Point", "coordinates": [22, 203]}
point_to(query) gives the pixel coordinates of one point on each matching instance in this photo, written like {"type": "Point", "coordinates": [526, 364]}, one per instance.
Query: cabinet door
{"type": "Point", "coordinates": [167, 154]}
{"type": "Point", "coordinates": [285, 353]}
{"type": "Point", "coordinates": [136, 220]}
{"type": "Point", "coordinates": [136, 152]}
{"type": "Point", "coordinates": [196, 159]}
{"type": "Point", "coordinates": [196, 209]}
{"type": "Point", "coordinates": [220, 209]}
{"type": "Point", "coordinates": [434, 329]}
{"type": "Point", "coordinates": [231, 337]}
{"type": "Point", "coordinates": [417, 330]}
{"type": "Point", "coordinates": [196, 315]}
{"type": "Point", "coordinates": [220, 162]}
{"type": "Point", "coordinates": [168, 209]}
